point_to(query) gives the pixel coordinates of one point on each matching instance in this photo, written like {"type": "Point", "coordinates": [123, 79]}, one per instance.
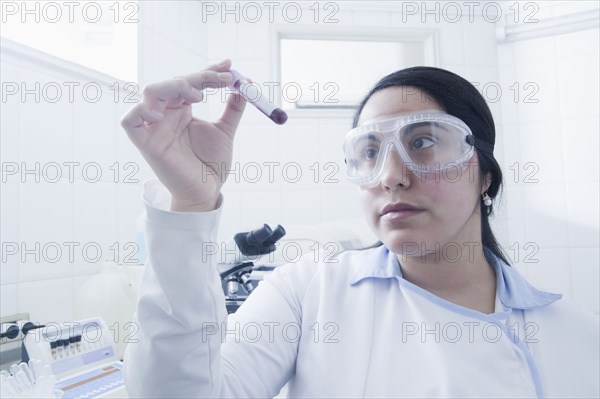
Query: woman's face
{"type": "Point", "coordinates": [445, 206]}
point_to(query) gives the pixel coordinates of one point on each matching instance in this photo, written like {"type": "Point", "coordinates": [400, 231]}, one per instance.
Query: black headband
{"type": "Point", "coordinates": [480, 144]}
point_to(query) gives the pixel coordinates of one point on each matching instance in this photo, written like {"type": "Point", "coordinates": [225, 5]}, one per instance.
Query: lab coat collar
{"type": "Point", "coordinates": [512, 289]}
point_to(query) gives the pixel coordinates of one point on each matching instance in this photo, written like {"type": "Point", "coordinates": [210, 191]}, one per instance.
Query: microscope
{"type": "Point", "coordinates": [236, 276]}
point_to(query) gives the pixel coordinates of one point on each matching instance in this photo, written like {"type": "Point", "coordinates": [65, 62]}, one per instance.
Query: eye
{"type": "Point", "coordinates": [421, 143]}
{"type": "Point", "coordinates": [368, 153]}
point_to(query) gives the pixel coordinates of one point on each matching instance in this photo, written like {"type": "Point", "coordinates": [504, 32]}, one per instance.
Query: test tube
{"type": "Point", "coordinates": [252, 94]}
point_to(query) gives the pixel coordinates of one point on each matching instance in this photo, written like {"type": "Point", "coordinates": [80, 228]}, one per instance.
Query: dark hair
{"type": "Point", "coordinates": [461, 99]}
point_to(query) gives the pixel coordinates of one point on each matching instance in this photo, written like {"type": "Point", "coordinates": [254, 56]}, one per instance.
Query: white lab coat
{"type": "Point", "coordinates": [351, 328]}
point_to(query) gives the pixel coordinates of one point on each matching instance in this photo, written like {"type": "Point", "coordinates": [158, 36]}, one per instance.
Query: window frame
{"type": "Point", "coordinates": [427, 37]}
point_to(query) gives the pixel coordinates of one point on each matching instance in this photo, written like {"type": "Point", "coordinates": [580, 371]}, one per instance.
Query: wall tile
{"type": "Point", "coordinates": [506, 55]}
{"type": "Point", "coordinates": [486, 81]}
{"type": "Point", "coordinates": [301, 207]}
{"type": "Point", "coordinates": [48, 300]}
{"type": "Point", "coordinates": [130, 206]}
{"type": "Point", "coordinates": [579, 86]}
{"type": "Point", "coordinates": [254, 42]}
{"type": "Point", "coordinates": [541, 154]}
{"type": "Point", "coordinates": [9, 139]}
{"type": "Point", "coordinates": [9, 230]}
{"type": "Point", "coordinates": [535, 50]}
{"type": "Point", "coordinates": [259, 207]}
{"type": "Point", "coordinates": [545, 215]}
{"type": "Point", "coordinates": [451, 44]}
{"type": "Point", "coordinates": [45, 224]}
{"type": "Point", "coordinates": [585, 277]}
{"type": "Point", "coordinates": [341, 204]}
{"type": "Point", "coordinates": [9, 300]}
{"type": "Point", "coordinates": [578, 43]}
{"type": "Point", "coordinates": [95, 221]}
{"type": "Point", "coordinates": [580, 143]}
{"type": "Point", "coordinates": [511, 95]}
{"type": "Point", "coordinates": [47, 137]}
{"type": "Point", "coordinates": [167, 20]}
{"type": "Point", "coordinates": [258, 146]}
{"type": "Point", "coordinates": [512, 202]}
{"type": "Point", "coordinates": [95, 138]}
{"type": "Point", "coordinates": [155, 49]}
{"type": "Point", "coordinates": [479, 37]}
{"type": "Point", "coordinates": [132, 168]}
{"type": "Point", "coordinates": [300, 146]}
{"type": "Point", "coordinates": [227, 45]}
{"type": "Point", "coordinates": [537, 81]}
{"type": "Point", "coordinates": [511, 139]}
{"type": "Point", "coordinates": [194, 33]}
{"type": "Point", "coordinates": [551, 272]}
{"type": "Point", "coordinates": [582, 215]}
{"type": "Point", "coordinates": [232, 212]}
{"type": "Point", "coordinates": [571, 7]}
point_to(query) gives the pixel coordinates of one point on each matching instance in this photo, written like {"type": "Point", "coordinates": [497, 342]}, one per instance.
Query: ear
{"type": "Point", "coordinates": [487, 181]}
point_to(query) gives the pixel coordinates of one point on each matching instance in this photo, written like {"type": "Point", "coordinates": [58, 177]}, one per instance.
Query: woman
{"type": "Point", "coordinates": [435, 311]}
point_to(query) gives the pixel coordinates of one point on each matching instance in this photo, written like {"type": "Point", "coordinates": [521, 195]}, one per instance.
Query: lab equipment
{"type": "Point", "coordinates": [428, 141]}
{"type": "Point", "coordinates": [236, 274]}
{"type": "Point", "coordinates": [243, 269]}
{"type": "Point", "coordinates": [11, 338]}
{"type": "Point", "coordinates": [28, 380]}
{"type": "Point", "coordinates": [252, 94]}
{"type": "Point", "coordinates": [82, 356]}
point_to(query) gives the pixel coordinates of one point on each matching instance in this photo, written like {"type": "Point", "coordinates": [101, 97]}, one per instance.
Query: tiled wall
{"type": "Point", "coordinates": [552, 205]}
{"type": "Point", "coordinates": [65, 207]}
{"type": "Point", "coordinates": [175, 41]}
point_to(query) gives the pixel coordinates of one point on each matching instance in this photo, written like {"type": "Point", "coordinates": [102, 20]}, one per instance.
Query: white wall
{"type": "Point", "coordinates": [554, 219]}
{"type": "Point", "coordinates": [44, 209]}
{"type": "Point", "coordinates": [174, 41]}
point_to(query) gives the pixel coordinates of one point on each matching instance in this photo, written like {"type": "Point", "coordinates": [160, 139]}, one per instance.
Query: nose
{"type": "Point", "coordinates": [395, 172]}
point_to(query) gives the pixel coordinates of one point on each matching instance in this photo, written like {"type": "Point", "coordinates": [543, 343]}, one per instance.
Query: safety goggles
{"type": "Point", "coordinates": [428, 141]}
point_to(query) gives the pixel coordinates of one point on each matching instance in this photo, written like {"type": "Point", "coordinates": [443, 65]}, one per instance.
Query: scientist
{"type": "Point", "coordinates": [433, 311]}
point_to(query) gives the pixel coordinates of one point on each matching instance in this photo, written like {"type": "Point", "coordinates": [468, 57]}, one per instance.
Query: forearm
{"type": "Point", "coordinates": [180, 296]}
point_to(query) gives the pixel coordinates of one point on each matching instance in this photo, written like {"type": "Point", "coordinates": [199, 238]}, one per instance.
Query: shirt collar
{"type": "Point", "coordinates": [512, 288]}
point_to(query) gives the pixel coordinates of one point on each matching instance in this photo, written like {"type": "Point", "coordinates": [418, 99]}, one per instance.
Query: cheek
{"type": "Point", "coordinates": [366, 200]}
{"type": "Point", "coordinates": [449, 198]}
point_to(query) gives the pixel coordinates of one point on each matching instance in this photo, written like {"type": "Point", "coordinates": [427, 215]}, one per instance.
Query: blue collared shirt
{"type": "Point", "coordinates": [512, 289]}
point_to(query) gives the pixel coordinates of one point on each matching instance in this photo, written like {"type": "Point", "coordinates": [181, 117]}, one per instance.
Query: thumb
{"type": "Point", "coordinates": [232, 114]}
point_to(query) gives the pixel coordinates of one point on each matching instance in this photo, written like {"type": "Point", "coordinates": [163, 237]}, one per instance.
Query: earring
{"type": "Point", "coordinates": [487, 201]}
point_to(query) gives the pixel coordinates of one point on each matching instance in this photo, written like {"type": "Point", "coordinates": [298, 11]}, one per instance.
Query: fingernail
{"type": "Point", "coordinates": [224, 75]}
{"type": "Point", "coordinates": [223, 62]}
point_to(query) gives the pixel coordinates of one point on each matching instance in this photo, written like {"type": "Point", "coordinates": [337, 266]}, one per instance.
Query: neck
{"type": "Point", "coordinates": [468, 281]}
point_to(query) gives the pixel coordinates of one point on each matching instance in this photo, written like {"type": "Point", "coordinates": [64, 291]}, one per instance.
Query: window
{"type": "Point", "coordinates": [336, 72]}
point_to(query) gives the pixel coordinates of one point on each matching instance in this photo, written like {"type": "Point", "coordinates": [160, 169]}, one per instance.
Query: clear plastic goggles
{"type": "Point", "coordinates": [428, 142]}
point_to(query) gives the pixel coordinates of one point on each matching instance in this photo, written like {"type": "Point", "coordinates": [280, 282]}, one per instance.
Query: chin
{"type": "Point", "coordinates": [405, 242]}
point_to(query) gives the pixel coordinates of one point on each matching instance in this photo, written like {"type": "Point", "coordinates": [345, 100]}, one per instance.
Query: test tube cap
{"type": "Point", "coordinates": [236, 78]}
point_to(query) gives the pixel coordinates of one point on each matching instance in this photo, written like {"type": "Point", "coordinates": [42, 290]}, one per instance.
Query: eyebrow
{"type": "Point", "coordinates": [417, 125]}
{"type": "Point", "coordinates": [369, 137]}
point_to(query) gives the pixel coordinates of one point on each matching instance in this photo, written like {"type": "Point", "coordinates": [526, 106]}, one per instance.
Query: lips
{"type": "Point", "coordinates": [399, 211]}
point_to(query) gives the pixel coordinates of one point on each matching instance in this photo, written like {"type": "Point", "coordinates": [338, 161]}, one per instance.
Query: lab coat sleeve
{"type": "Point", "coordinates": [185, 347]}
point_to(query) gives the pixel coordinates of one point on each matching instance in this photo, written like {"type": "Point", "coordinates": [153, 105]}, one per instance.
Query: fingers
{"type": "Point", "coordinates": [172, 94]}
{"type": "Point", "coordinates": [135, 120]}
{"type": "Point", "coordinates": [187, 89]}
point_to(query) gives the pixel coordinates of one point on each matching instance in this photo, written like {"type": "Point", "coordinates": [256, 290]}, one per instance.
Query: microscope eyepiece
{"type": "Point", "coordinates": [258, 236]}
{"type": "Point", "coordinates": [275, 235]}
